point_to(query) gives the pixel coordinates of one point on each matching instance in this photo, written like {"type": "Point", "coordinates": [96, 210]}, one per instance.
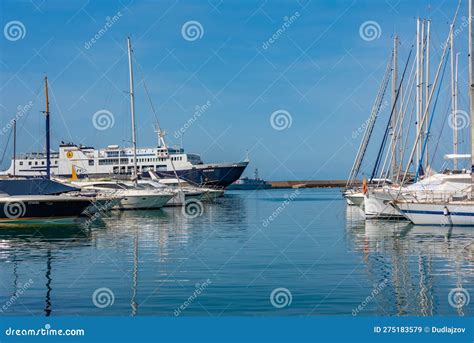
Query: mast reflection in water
{"type": "Point", "coordinates": [328, 258]}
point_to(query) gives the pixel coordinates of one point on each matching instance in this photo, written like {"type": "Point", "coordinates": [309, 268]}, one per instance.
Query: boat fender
{"type": "Point", "coordinates": [445, 211]}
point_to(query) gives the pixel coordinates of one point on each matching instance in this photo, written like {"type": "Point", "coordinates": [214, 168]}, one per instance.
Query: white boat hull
{"type": "Point", "coordinates": [142, 202]}
{"type": "Point", "coordinates": [445, 214]}
{"type": "Point", "coordinates": [377, 206]}
{"type": "Point", "coordinates": [177, 200]}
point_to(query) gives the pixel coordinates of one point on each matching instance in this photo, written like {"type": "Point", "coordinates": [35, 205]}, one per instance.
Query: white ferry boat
{"type": "Point", "coordinates": [115, 161]}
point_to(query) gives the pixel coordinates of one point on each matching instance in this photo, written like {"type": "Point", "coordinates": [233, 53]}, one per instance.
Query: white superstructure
{"type": "Point", "coordinates": [112, 160]}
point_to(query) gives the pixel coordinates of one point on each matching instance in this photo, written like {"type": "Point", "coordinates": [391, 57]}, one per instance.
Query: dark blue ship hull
{"type": "Point", "coordinates": [209, 176]}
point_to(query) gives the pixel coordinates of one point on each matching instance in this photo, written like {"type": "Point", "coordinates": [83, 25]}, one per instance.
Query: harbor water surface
{"type": "Point", "coordinates": [263, 253]}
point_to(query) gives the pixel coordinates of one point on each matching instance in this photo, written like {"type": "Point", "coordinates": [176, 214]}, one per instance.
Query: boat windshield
{"type": "Point", "coordinates": [111, 185]}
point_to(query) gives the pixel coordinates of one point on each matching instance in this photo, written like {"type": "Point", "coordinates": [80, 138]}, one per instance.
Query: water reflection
{"type": "Point", "coordinates": [152, 261]}
{"type": "Point", "coordinates": [421, 262]}
{"type": "Point", "coordinates": [29, 242]}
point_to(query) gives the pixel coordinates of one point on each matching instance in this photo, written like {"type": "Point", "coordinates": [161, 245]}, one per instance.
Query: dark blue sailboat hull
{"type": "Point", "coordinates": [33, 186]}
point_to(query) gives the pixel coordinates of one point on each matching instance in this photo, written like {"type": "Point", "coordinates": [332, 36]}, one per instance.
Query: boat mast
{"type": "Point", "coordinates": [456, 92]}
{"type": "Point", "coordinates": [14, 147]}
{"type": "Point", "coordinates": [132, 110]}
{"type": "Point", "coordinates": [394, 97]}
{"type": "Point", "coordinates": [48, 142]}
{"type": "Point", "coordinates": [418, 88]}
{"type": "Point", "coordinates": [453, 99]}
{"type": "Point", "coordinates": [471, 90]}
{"type": "Point", "coordinates": [427, 80]}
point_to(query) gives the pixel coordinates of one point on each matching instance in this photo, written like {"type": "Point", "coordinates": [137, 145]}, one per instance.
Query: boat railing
{"type": "Point", "coordinates": [438, 195]}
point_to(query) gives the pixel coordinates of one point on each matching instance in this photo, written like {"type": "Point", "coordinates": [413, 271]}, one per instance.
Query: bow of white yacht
{"type": "Point", "coordinates": [133, 197]}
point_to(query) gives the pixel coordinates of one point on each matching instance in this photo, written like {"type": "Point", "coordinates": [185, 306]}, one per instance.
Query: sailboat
{"type": "Point", "coordinates": [133, 195]}
{"type": "Point", "coordinates": [36, 201]}
{"type": "Point", "coordinates": [379, 201]}
{"type": "Point", "coordinates": [451, 208]}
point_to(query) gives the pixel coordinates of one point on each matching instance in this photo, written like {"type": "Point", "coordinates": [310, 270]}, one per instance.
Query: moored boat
{"type": "Point", "coordinates": [132, 197]}
{"type": "Point", "coordinates": [37, 209]}
{"type": "Point", "coordinates": [247, 183]}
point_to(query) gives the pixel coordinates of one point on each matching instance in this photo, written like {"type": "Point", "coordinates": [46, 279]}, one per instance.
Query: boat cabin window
{"type": "Point", "coordinates": [145, 186]}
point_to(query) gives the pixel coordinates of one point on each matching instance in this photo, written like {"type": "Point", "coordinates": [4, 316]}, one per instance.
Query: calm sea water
{"type": "Point", "coordinates": [276, 252]}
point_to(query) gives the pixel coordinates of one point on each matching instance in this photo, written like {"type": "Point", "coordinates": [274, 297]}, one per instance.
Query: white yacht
{"type": "Point", "coordinates": [131, 197]}
{"type": "Point", "coordinates": [379, 202]}
{"type": "Point", "coordinates": [447, 211]}
{"type": "Point", "coordinates": [200, 193]}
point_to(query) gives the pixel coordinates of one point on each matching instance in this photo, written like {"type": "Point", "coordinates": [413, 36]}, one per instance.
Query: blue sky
{"type": "Point", "coordinates": [319, 70]}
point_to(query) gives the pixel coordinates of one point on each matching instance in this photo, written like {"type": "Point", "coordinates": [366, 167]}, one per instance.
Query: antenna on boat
{"type": "Point", "coordinates": [48, 140]}
{"type": "Point", "coordinates": [160, 136]}
{"type": "Point", "coordinates": [132, 110]}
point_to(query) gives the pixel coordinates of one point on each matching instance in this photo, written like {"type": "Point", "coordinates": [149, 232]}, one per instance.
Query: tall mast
{"type": "Point", "coordinates": [453, 98]}
{"type": "Point", "coordinates": [471, 90]}
{"type": "Point", "coordinates": [14, 147]}
{"type": "Point", "coordinates": [48, 142]}
{"type": "Point", "coordinates": [427, 81]}
{"type": "Point", "coordinates": [418, 87]}
{"type": "Point", "coordinates": [394, 97]}
{"type": "Point", "coordinates": [132, 110]}
{"type": "Point", "coordinates": [456, 90]}
{"type": "Point", "coordinates": [421, 86]}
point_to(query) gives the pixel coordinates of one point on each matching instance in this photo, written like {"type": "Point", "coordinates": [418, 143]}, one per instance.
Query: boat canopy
{"type": "Point", "coordinates": [33, 186]}
{"type": "Point", "coordinates": [456, 156]}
